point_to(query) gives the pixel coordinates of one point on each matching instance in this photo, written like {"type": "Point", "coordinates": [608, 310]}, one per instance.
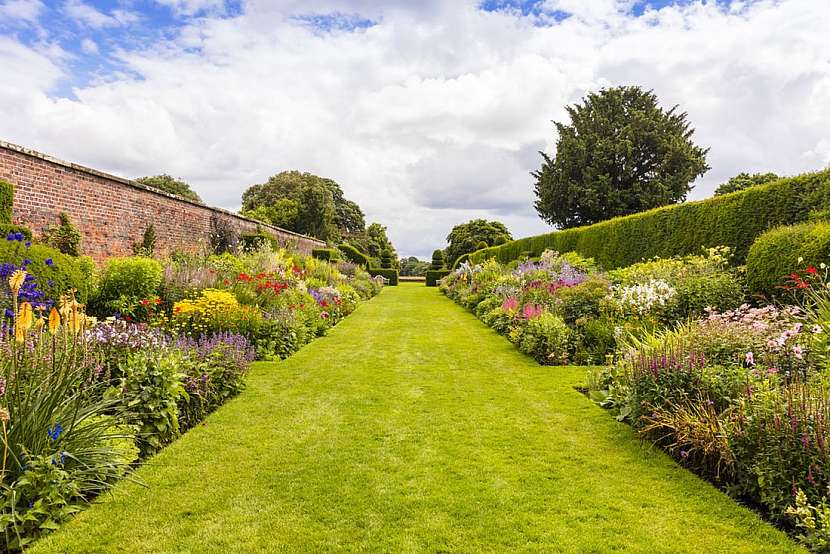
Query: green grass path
{"type": "Point", "coordinates": [412, 427]}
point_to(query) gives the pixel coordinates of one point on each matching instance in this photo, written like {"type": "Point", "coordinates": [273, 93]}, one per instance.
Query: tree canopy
{"type": "Point", "coordinates": [412, 266]}
{"type": "Point", "coordinates": [620, 154]}
{"type": "Point", "coordinates": [304, 203]}
{"type": "Point", "coordinates": [169, 184]}
{"type": "Point", "coordinates": [466, 237]}
{"type": "Point", "coordinates": [743, 181]}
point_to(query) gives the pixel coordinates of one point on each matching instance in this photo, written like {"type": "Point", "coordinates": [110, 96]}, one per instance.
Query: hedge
{"type": "Point", "coordinates": [775, 255]}
{"type": "Point", "coordinates": [734, 220]}
{"type": "Point", "coordinates": [391, 274]}
{"type": "Point", "coordinates": [434, 275]}
{"type": "Point", "coordinates": [354, 255]}
{"type": "Point", "coordinates": [54, 272]}
{"type": "Point", "coordinates": [464, 257]}
{"type": "Point", "coordinates": [6, 202]}
{"type": "Point", "coordinates": [326, 254]}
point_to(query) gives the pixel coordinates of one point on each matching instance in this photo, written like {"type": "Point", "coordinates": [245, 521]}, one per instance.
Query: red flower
{"type": "Point", "coordinates": [158, 301]}
{"type": "Point", "coordinates": [226, 282]}
{"type": "Point", "coordinates": [812, 270]}
{"type": "Point", "coordinates": [244, 277]}
{"type": "Point", "coordinates": [261, 276]}
{"type": "Point", "coordinates": [144, 302]}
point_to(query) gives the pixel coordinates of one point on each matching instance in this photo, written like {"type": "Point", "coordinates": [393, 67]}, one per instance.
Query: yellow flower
{"type": "Point", "coordinates": [54, 321]}
{"type": "Point", "coordinates": [24, 317]}
{"type": "Point", "coordinates": [39, 322]}
{"type": "Point", "coordinates": [16, 281]}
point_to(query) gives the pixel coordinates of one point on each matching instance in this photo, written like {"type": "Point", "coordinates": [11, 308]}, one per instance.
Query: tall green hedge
{"type": "Point", "coordinates": [6, 202]}
{"type": "Point", "coordinates": [354, 255]}
{"type": "Point", "coordinates": [326, 254]}
{"type": "Point", "coordinates": [435, 275]}
{"type": "Point", "coordinates": [734, 220]}
{"type": "Point", "coordinates": [775, 255]}
{"type": "Point", "coordinates": [391, 274]}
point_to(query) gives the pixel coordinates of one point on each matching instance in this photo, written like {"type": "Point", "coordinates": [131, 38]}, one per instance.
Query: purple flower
{"type": "Point", "coordinates": [49, 262]}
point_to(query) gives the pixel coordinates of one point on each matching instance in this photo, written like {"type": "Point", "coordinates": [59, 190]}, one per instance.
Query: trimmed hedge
{"type": "Point", "coordinates": [61, 273]}
{"type": "Point", "coordinates": [775, 255]}
{"type": "Point", "coordinates": [354, 255]}
{"type": "Point", "coordinates": [391, 274]}
{"type": "Point", "coordinates": [6, 202]}
{"type": "Point", "coordinates": [734, 220]}
{"type": "Point", "coordinates": [326, 254]}
{"type": "Point", "coordinates": [434, 275]}
{"type": "Point", "coordinates": [463, 258]}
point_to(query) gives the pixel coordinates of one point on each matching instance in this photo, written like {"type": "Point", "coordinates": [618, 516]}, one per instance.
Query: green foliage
{"type": "Point", "coordinates": [437, 260]}
{"type": "Point", "coordinates": [147, 246]}
{"type": "Point", "coordinates": [546, 338]}
{"type": "Point", "coordinates": [149, 391]}
{"type": "Point", "coordinates": [734, 220]}
{"type": "Point", "coordinates": [413, 267]}
{"type": "Point", "coordinates": [621, 154]}
{"type": "Point", "coordinates": [304, 203]}
{"type": "Point", "coordinates": [435, 275]}
{"type": "Point", "coordinates": [170, 185]}
{"type": "Point", "coordinates": [54, 272]}
{"type": "Point", "coordinates": [326, 254]}
{"type": "Point", "coordinates": [778, 253]}
{"type": "Point", "coordinates": [256, 241]}
{"type": "Point", "coordinates": [7, 229]}
{"type": "Point", "coordinates": [460, 260]}
{"type": "Point", "coordinates": [6, 202]}
{"type": "Point", "coordinates": [386, 260]}
{"type": "Point", "coordinates": [377, 242]}
{"type": "Point", "coordinates": [744, 180]}
{"type": "Point", "coordinates": [65, 237]}
{"type": "Point", "coordinates": [467, 237]}
{"type": "Point", "coordinates": [354, 255]}
{"type": "Point", "coordinates": [390, 274]}
{"type": "Point", "coordinates": [124, 282]}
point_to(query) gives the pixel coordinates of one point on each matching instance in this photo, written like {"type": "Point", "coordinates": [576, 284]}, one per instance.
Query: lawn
{"type": "Point", "coordinates": [413, 427]}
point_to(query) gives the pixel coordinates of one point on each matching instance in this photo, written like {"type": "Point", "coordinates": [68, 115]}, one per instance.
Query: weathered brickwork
{"type": "Point", "coordinates": [111, 212]}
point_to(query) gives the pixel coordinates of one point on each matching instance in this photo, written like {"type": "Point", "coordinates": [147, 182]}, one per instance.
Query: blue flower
{"type": "Point", "coordinates": [10, 236]}
{"type": "Point", "coordinates": [28, 243]}
{"type": "Point", "coordinates": [55, 433]}
{"type": "Point", "coordinates": [49, 262]}
{"type": "Point", "coordinates": [18, 236]}
{"type": "Point", "coordinates": [9, 313]}
{"type": "Point", "coordinates": [27, 261]}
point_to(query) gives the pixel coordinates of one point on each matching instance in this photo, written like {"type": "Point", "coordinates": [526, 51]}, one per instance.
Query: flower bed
{"type": "Point", "coordinates": [735, 392]}
{"type": "Point", "coordinates": [83, 397]}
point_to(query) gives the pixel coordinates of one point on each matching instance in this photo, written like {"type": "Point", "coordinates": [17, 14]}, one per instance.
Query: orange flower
{"type": "Point", "coordinates": [54, 321]}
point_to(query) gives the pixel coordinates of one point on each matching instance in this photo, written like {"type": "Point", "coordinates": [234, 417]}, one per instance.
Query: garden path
{"type": "Point", "coordinates": [412, 427]}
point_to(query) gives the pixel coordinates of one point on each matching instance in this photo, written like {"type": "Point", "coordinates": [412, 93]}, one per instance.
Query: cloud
{"type": "Point", "coordinates": [193, 7]}
{"type": "Point", "coordinates": [87, 15]}
{"type": "Point", "coordinates": [26, 11]}
{"type": "Point", "coordinates": [89, 46]}
{"type": "Point", "coordinates": [434, 113]}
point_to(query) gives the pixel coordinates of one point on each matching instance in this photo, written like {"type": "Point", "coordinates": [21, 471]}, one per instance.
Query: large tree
{"type": "Point", "coordinates": [743, 181]}
{"type": "Point", "coordinates": [304, 203]}
{"type": "Point", "coordinates": [466, 237]}
{"type": "Point", "coordinates": [412, 266]}
{"type": "Point", "coordinates": [377, 242]}
{"type": "Point", "coordinates": [169, 184]}
{"type": "Point", "coordinates": [621, 154]}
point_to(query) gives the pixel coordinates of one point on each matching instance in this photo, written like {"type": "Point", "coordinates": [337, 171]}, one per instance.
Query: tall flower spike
{"type": "Point", "coordinates": [25, 316]}
{"type": "Point", "coordinates": [54, 321]}
{"type": "Point", "coordinates": [16, 281]}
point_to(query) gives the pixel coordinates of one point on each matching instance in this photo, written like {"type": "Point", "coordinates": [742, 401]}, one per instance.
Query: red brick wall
{"type": "Point", "coordinates": [111, 212]}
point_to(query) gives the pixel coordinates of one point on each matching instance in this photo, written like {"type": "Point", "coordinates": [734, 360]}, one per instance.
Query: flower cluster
{"type": "Point", "coordinates": [642, 299]}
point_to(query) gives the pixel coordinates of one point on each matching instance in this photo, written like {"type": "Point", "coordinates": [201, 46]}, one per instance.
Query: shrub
{"type": "Point", "coordinates": [391, 274]}
{"type": "Point", "coordinates": [54, 272]}
{"type": "Point", "coordinates": [147, 246]}
{"type": "Point", "coordinates": [546, 338]}
{"type": "Point", "coordinates": [735, 220]}
{"type": "Point", "coordinates": [126, 281]}
{"type": "Point", "coordinates": [65, 237]}
{"type": "Point", "coordinates": [437, 260]}
{"type": "Point", "coordinates": [258, 240]}
{"type": "Point", "coordinates": [433, 276]}
{"type": "Point", "coordinates": [354, 255]}
{"type": "Point", "coordinates": [223, 236]}
{"type": "Point", "coordinates": [326, 254]}
{"type": "Point", "coordinates": [6, 202]}
{"type": "Point", "coordinates": [9, 230]}
{"type": "Point", "coordinates": [783, 251]}
{"type": "Point", "coordinates": [386, 259]}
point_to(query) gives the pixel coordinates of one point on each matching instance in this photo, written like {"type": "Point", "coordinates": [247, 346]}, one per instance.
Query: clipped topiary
{"type": "Point", "coordinates": [386, 260]}
{"type": "Point", "coordinates": [326, 254]}
{"type": "Point", "coordinates": [437, 260]}
{"type": "Point", "coordinates": [776, 254]}
{"type": "Point", "coordinates": [354, 255]}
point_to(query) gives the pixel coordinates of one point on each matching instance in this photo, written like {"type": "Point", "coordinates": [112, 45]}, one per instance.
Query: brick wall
{"type": "Point", "coordinates": [111, 212]}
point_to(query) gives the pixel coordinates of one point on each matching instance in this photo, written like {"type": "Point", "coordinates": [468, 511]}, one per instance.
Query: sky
{"type": "Point", "coordinates": [427, 112]}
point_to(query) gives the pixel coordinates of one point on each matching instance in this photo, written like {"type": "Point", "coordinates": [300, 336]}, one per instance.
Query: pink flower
{"type": "Point", "coordinates": [532, 311]}
{"type": "Point", "coordinates": [750, 359]}
{"type": "Point", "coordinates": [510, 304]}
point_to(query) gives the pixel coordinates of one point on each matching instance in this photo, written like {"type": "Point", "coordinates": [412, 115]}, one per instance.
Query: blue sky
{"type": "Point", "coordinates": [428, 113]}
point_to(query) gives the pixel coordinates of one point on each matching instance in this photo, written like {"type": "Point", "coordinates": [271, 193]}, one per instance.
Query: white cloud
{"type": "Point", "coordinates": [89, 16]}
{"type": "Point", "coordinates": [89, 46]}
{"type": "Point", "coordinates": [27, 11]}
{"type": "Point", "coordinates": [192, 7]}
{"type": "Point", "coordinates": [433, 115]}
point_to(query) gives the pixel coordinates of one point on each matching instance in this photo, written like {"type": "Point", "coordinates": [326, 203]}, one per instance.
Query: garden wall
{"type": "Point", "coordinates": [111, 212]}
